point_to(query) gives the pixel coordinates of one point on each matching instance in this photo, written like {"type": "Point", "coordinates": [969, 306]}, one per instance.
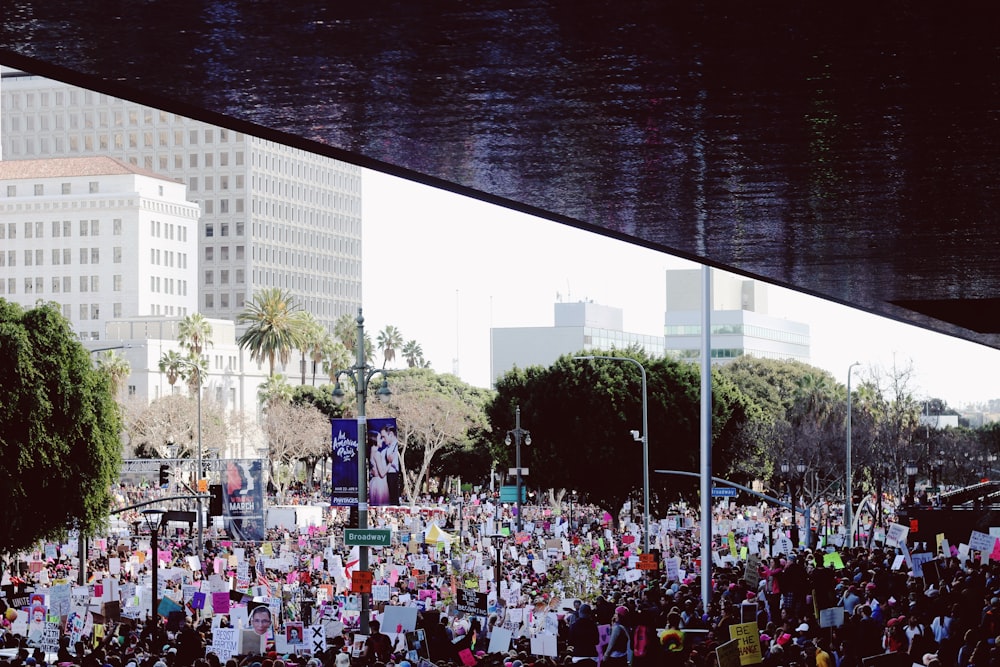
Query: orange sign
{"type": "Point", "coordinates": [647, 562]}
{"type": "Point", "coordinates": [361, 581]}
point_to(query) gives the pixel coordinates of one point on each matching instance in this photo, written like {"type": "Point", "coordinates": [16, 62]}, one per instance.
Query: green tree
{"type": "Point", "coordinates": [194, 333]}
{"type": "Point", "coordinates": [275, 327]}
{"type": "Point", "coordinates": [345, 330]}
{"type": "Point", "coordinates": [274, 390]}
{"type": "Point", "coordinates": [310, 341]}
{"type": "Point", "coordinates": [580, 414]}
{"type": "Point", "coordinates": [413, 354]}
{"type": "Point", "coordinates": [435, 416]}
{"type": "Point", "coordinates": [389, 340]}
{"type": "Point", "coordinates": [173, 364]}
{"type": "Point", "coordinates": [116, 367]}
{"type": "Point", "coordinates": [60, 429]}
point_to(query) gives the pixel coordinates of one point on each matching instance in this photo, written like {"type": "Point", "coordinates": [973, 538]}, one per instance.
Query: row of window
{"type": "Point", "coordinates": [158, 285]}
{"type": "Point", "coordinates": [58, 284]}
{"type": "Point", "coordinates": [223, 228]}
{"type": "Point", "coordinates": [208, 182]}
{"type": "Point", "coordinates": [225, 299]}
{"type": "Point", "coordinates": [223, 253]}
{"type": "Point", "coordinates": [64, 188]}
{"type": "Point", "coordinates": [58, 228]}
{"type": "Point", "coordinates": [168, 257]}
{"type": "Point", "coordinates": [224, 277]}
{"type": "Point", "coordinates": [748, 330]}
{"type": "Point", "coordinates": [168, 230]}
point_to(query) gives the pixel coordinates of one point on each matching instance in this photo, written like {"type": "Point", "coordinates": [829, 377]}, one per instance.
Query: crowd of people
{"type": "Point", "coordinates": [568, 594]}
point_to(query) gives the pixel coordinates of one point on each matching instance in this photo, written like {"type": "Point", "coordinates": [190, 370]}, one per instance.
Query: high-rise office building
{"type": "Point", "coordinates": [102, 238]}
{"type": "Point", "coordinates": [739, 320]}
{"type": "Point", "coordinates": [271, 216]}
{"type": "Point", "coordinates": [581, 326]}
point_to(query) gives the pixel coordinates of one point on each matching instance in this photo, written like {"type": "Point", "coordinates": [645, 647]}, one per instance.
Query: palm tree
{"type": "Point", "coordinates": [345, 330]}
{"type": "Point", "coordinates": [413, 353]}
{"type": "Point", "coordinates": [336, 357]}
{"type": "Point", "coordinates": [389, 340]}
{"type": "Point", "coordinates": [195, 333]}
{"type": "Point", "coordinates": [173, 364]}
{"type": "Point", "coordinates": [193, 370]}
{"type": "Point", "coordinates": [116, 367]}
{"type": "Point", "coordinates": [274, 329]}
{"type": "Point", "coordinates": [276, 388]}
{"type": "Point", "coordinates": [310, 342]}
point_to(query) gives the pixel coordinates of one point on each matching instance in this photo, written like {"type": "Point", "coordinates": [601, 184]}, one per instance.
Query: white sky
{"type": "Point", "coordinates": [444, 269]}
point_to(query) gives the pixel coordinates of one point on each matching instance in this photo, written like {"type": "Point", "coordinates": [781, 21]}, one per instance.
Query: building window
{"type": "Point", "coordinates": [209, 275]}
{"type": "Point", "coordinates": [224, 277]}
{"type": "Point", "coordinates": [94, 187]}
{"type": "Point", "coordinates": [116, 309]}
{"type": "Point", "coordinates": [84, 311]}
{"type": "Point", "coordinates": [95, 255]}
{"type": "Point", "coordinates": [67, 188]}
{"type": "Point", "coordinates": [39, 189]}
{"type": "Point", "coordinates": [116, 283]}
{"type": "Point", "coordinates": [116, 254]}
{"type": "Point", "coordinates": [84, 227]}
{"type": "Point", "coordinates": [84, 283]}
{"type": "Point", "coordinates": [84, 254]}
{"type": "Point", "coordinates": [11, 190]}
{"type": "Point", "coordinates": [209, 301]}
{"type": "Point", "coordinates": [209, 230]}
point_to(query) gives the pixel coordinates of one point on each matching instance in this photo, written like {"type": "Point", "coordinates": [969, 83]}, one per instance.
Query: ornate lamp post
{"type": "Point", "coordinates": [518, 434]}
{"type": "Point", "coordinates": [154, 518]}
{"type": "Point", "coordinates": [361, 374]}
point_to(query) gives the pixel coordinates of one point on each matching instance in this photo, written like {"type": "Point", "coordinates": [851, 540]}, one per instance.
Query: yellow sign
{"type": "Point", "coordinates": [746, 634]}
{"type": "Point", "coordinates": [202, 486]}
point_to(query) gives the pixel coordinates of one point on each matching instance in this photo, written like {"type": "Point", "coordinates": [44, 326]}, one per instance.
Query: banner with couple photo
{"type": "Point", "coordinates": [383, 464]}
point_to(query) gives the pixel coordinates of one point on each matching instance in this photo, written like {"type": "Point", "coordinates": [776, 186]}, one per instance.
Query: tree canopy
{"type": "Point", "coordinates": [580, 414]}
{"type": "Point", "coordinates": [59, 429]}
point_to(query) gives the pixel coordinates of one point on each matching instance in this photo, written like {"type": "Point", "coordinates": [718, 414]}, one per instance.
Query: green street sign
{"type": "Point", "coordinates": [366, 537]}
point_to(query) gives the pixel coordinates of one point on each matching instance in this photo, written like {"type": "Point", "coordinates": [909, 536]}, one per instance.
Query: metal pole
{"type": "Point", "coordinates": [517, 446]}
{"type": "Point", "coordinates": [645, 463]}
{"type": "Point", "coordinates": [849, 493]}
{"type": "Point", "coordinates": [156, 571]}
{"type": "Point", "coordinates": [706, 438]}
{"type": "Point", "coordinates": [361, 382]}
{"type": "Point", "coordinates": [795, 523]}
{"type": "Point", "coordinates": [201, 519]}
{"type": "Point", "coordinates": [81, 579]}
{"type": "Point", "coordinates": [645, 445]}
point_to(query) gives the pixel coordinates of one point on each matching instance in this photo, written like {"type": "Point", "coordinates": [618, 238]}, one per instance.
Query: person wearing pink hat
{"type": "Point", "coordinates": [616, 652]}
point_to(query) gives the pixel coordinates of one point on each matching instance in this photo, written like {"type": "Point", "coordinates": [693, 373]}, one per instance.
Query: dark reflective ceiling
{"type": "Point", "coordinates": [849, 151]}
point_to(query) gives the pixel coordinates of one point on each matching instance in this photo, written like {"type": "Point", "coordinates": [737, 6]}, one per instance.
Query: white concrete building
{"type": "Point", "coordinates": [101, 237]}
{"type": "Point", "coordinates": [579, 327]}
{"type": "Point", "coordinates": [272, 216]}
{"type": "Point", "coordinates": [739, 320]}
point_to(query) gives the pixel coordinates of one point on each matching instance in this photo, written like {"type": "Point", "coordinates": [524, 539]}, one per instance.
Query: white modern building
{"type": "Point", "coordinates": [271, 216]}
{"type": "Point", "coordinates": [579, 327]}
{"type": "Point", "coordinates": [739, 320]}
{"type": "Point", "coordinates": [101, 237]}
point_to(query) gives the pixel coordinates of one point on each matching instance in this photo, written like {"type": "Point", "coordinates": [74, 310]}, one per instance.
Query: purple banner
{"type": "Point", "coordinates": [344, 467]}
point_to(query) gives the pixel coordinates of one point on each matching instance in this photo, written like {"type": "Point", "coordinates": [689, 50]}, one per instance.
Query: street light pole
{"type": "Point", "coordinates": [848, 491]}
{"type": "Point", "coordinates": [196, 368]}
{"type": "Point", "coordinates": [153, 518]}
{"type": "Point", "coordinates": [644, 438]}
{"type": "Point", "coordinates": [361, 374]}
{"type": "Point", "coordinates": [518, 432]}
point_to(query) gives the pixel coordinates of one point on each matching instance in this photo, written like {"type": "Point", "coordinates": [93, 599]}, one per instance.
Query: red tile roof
{"type": "Point", "coordinates": [72, 166]}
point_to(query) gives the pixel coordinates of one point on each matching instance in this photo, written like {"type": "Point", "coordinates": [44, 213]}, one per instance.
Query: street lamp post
{"type": "Point", "coordinates": [497, 543]}
{"type": "Point", "coordinates": [790, 480]}
{"type": "Point", "coordinates": [518, 434]}
{"type": "Point", "coordinates": [153, 518]}
{"type": "Point", "coordinates": [848, 491]}
{"type": "Point", "coordinates": [361, 374]}
{"type": "Point", "coordinates": [196, 368]}
{"type": "Point", "coordinates": [644, 438]}
{"type": "Point", "coordinates": [911, 481]}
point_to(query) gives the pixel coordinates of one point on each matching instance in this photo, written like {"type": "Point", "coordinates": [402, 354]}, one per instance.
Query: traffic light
{"type": "Point", "coordinates": [215, 502]}
{"type": "Point", "coordinates": [164, 474]}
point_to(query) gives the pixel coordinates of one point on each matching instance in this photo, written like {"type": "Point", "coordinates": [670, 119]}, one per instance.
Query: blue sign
{"type": "Point", "coordinates": [723, 492]}
{"type": "Point", "coordinates": [508, 494]}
